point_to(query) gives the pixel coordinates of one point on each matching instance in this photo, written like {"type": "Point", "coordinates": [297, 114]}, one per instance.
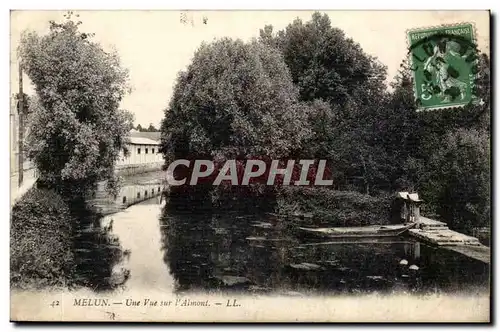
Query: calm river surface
{"type": "Point", "coordinates": [178, 253]}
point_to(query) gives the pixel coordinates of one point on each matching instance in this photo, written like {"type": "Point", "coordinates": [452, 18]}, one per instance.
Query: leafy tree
{"type": "Point", "coordinates": [139, 127]}
{"type": "Point", "coordinates": [235, 100]}
{"type": "Point", "coordinates": [458, 179]}
{"type": "Point", "coordinates": [445, 153]}
{"type": "Point", "coordinates": [152, 128]}
{"type": "Point", "coordinates": [346, 90]}
{"type": "Point", "coordinates": [77, 129]}
{"type": "Point", "coordinates": [323, 62]}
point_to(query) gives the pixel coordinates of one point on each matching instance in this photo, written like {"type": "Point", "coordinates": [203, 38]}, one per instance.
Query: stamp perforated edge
{"type": "Point", "coordinates": [410, 58]}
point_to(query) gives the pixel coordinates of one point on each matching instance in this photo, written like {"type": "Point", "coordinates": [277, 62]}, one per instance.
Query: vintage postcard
{"type": "Point", "coordinates": [250, 166]}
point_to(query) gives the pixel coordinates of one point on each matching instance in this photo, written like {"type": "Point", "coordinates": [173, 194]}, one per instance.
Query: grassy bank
{"type": "Point", "coordinates": [334, 208]}
{"type": "Point", "coordinates": [41, 241]}
{"type": "Point", "coordinates": [59, 242]}
{"type": "Point", "coordinates": [322, 206]}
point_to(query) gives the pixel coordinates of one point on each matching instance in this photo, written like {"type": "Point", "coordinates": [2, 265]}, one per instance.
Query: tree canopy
{"type": "Point", "coordinates": [151, 128]}
{"type": "Point", "coordinates": [345, 88]}
{"type": "Point", "coordinates": [309, 91]}
{"type": "Point", "coordinates": [235, 100]}
{"type": "Point", "coordinates": [323, 62]}
{"type": "Point", "coordinates": [77, 129]}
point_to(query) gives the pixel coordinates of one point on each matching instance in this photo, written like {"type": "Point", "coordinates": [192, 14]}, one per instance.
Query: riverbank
{"type": "Point", "coordinates": [260, 267]}
{"type": "Point", "coordinates": [57, 241]}
{"type": "Point", "coordinates": [316, 206]}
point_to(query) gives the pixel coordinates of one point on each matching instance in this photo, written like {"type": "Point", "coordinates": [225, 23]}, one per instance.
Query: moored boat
{"type": "Point", "coordinates": [364, 231]}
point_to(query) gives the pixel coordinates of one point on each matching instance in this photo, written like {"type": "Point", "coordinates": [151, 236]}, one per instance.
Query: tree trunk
{"type": "Point", "coordinates": [365, 176]}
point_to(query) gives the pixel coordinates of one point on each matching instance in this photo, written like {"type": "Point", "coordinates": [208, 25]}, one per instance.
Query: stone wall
{"type": "Point", "coordinates": [132, 169]}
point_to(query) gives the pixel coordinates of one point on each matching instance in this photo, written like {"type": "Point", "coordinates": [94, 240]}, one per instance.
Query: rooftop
{"type": "Point", "coordinates": [412, 197]}
{"type": "Point", "coordinates": [152, 135]}
{"type": "Point", "coordinates": [144, 137]}
{"type": "Point", "coordinates": [143, 141]}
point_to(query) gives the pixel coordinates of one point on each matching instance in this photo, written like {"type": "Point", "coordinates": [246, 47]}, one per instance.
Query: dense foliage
{"type": "Point", "coordinates": [56, 242]}
{"type": "Point", "coordinates": [77, 129]}
{"type": "Point", "coordinates": [445, 154]}
{"type": "Point", "coordinates": [309, 91]}
{"type": "Point", "coordinates": [327, 207]}
{"type": "Point", "coordinates": [75, 134]}
{"type": "Point", "coordinates": [41, 240]}
{"type": "Point", "coordinates": [235, 100]}
{"type": "Point", "coordinates": [345, 89]}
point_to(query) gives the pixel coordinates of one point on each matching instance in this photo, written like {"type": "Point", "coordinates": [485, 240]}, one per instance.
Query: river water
{"type": "Point", "coordinates": [176, 253]}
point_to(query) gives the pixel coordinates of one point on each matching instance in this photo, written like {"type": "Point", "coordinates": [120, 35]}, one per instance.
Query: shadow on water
{"type": "Point", "coordinates": [96, 250]}
{"type": "Point", "coordinates": [262, 254]}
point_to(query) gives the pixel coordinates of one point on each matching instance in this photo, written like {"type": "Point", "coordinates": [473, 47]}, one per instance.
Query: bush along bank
{"type": "Point", "coordinates": [326, 207]}
{"type": "Point", "coordinates": [319, 206]}
{"type": "Point", "coordinates": [41, 241]}
{"type": "Point", "coordinates": [58, 242]}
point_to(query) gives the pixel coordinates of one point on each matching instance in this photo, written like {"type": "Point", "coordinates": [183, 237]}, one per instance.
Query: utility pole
{"type": "Point", "coordinates": [20, 111]}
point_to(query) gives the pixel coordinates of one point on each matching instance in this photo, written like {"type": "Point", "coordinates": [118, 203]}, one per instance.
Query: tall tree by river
{"type": "Point", "coordinates": [76, 132]}
{"type": "Point", "coordinates": [346, 89]}
{"type": "Point", "coordinates": [78, 129]}
{"type": "Point", "coordinates": [236, 100]}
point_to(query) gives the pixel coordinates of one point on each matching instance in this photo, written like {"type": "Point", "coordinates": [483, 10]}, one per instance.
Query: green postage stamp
{"type": "Point", "coordinates": [444, 63]}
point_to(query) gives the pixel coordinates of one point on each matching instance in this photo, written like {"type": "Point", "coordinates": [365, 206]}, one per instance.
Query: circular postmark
{"type": "Point", "coordinates": [444, 61]}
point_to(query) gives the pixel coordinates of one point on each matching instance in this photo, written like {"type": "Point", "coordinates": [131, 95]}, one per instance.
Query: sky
{"type": "Point", "coordinates": [155, 45]}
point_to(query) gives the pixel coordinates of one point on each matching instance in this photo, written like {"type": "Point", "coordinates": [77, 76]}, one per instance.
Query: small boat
{"type": "Point", "coordinates": [364, 231]}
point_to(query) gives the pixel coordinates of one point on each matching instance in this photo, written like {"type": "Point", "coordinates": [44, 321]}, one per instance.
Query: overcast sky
{"type": "Point", "coordinates": [156, 45]}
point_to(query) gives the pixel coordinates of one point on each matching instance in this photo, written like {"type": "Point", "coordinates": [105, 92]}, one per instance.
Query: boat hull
{"type": "Point", "coordinates": [356, 232]}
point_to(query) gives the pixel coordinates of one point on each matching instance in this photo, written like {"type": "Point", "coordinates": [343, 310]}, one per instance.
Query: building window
{"type": "Point", "coordinates": [146, 152]}
{"type": "Point", "coordinates": [158, 189]}
{"type": "Point", "coordinates": [153, 191]}
{"type": "Point", "coordinates": [153, 150]}
{"type": "Point", "coordinates": [139, 151]}
{"type": "Point", "coordinates": [145, 193]}
{"type": "Point", "coordinates": [138, 195]}
{"type": "Point", "coordinates": [124, 199]}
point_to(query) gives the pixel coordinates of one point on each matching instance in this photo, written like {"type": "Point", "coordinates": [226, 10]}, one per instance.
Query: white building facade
{"type": "Point", "coordinates": [144, 156]}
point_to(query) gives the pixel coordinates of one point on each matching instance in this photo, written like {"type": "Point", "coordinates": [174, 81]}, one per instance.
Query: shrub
{"type": "Point", "coordinates": [41, 240]}
{"type": "Point", "coordinates": [334, 208]}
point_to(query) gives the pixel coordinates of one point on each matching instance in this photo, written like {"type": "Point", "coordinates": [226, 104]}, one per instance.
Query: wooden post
{"type": "Point", "coordinates": [417, 214]}
{"type": "Point", "coordinates": [409, 209]}
{"type": "Point", "coordinates": [21, 127]}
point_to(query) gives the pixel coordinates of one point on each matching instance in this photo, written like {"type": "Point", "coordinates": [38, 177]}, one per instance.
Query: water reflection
{"type": "Point", "coordinates": [169, 251]}
{"type": "Point", "coordinates": [262, 254]}
{"type": "Point", "coordinates": [97, 251]}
